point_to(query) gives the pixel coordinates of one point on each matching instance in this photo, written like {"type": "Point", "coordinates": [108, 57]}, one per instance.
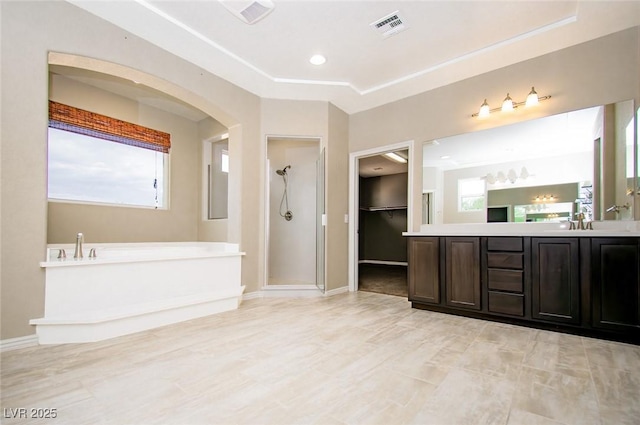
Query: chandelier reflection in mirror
{"type": "Point", "coordinates": [511, 176]}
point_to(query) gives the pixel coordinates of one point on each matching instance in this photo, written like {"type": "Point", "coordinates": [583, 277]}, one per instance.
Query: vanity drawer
{"type": "Point", "coordinates": [505, 244]}
{"type": "Point", "coordinates": [507, 260]}
{"type": "Point", "coordinates": [512, 304]}
{"type": "Point", "coordinates": [505, 280]}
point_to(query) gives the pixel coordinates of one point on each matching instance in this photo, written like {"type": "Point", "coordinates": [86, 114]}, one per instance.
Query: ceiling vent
{"type": "Point", "coordinates": [390, 25]}
{"type": "Point", "coordinates": [249, 12]}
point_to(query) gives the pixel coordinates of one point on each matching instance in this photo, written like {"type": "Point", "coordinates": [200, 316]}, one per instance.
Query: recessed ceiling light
{"type": "Point", "coordinates": [395, 157]}
{"type": "Point", "coordinates": [317, 59]}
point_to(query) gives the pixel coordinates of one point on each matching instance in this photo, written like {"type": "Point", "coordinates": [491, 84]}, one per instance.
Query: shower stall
{"type": "Point", "coordinates": [295, 208]}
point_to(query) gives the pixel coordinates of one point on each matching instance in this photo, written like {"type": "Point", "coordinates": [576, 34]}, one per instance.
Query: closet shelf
{"type": "Point", "coordinates": [399, 207]}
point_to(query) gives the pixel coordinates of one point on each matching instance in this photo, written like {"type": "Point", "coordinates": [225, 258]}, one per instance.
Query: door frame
{"type": "Point", "coordinates": [266, 215]}
{"type": "Point", "coordinates": [354, 199]}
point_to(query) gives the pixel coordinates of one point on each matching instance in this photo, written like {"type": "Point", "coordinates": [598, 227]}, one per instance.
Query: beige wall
{"type": "Point", "coordinates": [101, 223]}
{"type": "Point", "coordinates": [599, 72]}
{"type": "Point", "coordinates": [337, 181]}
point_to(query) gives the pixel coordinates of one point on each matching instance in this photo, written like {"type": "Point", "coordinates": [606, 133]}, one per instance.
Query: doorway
{"type": "Point", "coordinates": [295, 205]}
{"type": "Point", "coordinates": [380, 211]}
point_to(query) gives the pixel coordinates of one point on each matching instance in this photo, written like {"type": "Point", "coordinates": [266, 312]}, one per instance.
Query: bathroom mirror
{"type": "Point", "coordinates": [548, 169]}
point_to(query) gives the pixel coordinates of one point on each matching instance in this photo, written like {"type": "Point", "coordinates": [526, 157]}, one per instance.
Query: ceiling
{"type": "Point", "coordinates": [380, 165]}
{"type": "Point", "coordinates": [131, 90]}
{"type": "Point", "coordinates": [443, 41]}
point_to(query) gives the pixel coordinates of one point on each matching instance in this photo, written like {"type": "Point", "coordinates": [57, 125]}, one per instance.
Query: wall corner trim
{"type": "Point", "coordinates": [341, 290]}
{"type": "Point", "coordinates": [18, 343]}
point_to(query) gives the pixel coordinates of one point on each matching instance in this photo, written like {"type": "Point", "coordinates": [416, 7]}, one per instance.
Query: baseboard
{"type": "Point", "coordinates": [291, 291]}
{"type": "Point", "coordinates": [17, 343]}
{"type": "Point", "coordinates": [385, 263]}
{"type": "Point", "coordinates": [252, 295]}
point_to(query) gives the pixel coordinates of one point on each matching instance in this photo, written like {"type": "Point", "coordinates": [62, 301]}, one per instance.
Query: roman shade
{"type": "Point", "coordinates": [69, 118]}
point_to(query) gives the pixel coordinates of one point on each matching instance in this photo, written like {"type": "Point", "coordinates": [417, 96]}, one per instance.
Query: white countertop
{"type": "Point", "coordinates": [600, 229]}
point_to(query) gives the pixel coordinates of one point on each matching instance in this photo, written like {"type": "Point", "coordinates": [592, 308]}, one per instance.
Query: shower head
{"type": "Point", "coordinates": [283, 171]}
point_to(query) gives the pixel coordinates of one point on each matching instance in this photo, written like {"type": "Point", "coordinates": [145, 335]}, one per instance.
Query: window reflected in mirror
{"type": "Point", "coordinates": [218, 180]}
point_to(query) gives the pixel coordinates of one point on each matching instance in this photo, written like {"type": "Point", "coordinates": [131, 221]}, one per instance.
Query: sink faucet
{"type": "Point", "coordinates": [616, 208]}
{"type": "Point", "coordinates": [580, 225]}
{"type": "Point", "coordinates": [78, 252]}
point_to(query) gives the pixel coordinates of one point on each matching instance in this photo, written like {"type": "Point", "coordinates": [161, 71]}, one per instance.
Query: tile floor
{"type": "Point", "coordinates": [357, 358]}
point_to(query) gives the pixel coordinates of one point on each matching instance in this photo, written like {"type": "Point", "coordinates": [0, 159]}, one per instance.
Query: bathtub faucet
{"type": "Point", "coordinates": [78, 252]}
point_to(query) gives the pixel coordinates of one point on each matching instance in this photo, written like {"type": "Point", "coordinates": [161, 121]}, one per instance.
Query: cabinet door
{"type": "Point", "coordinates": [555, 279]}
{"type": "Point", "coordinates": [424, 269]}
{"type": "Point", "coordinates": [615, 265]}
{"type": "Point", "coordinates": [463, 272]}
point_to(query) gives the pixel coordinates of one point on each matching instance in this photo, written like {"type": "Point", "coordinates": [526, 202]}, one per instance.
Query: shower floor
{"type": "Point", "coordinates": [383, 279]}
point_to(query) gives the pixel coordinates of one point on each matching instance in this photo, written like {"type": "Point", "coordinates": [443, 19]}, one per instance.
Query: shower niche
{"type": "Point", "coordinates": [295, 206]}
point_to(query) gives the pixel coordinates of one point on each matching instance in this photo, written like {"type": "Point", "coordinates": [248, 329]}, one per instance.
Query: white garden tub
{"type": "Point", "coordinates": [133, 287]}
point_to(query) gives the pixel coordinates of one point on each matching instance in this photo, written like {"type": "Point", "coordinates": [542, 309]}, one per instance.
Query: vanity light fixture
{"type": "Point", "coordinates": [545, 198]}
{"type": "Point", "coordinates": [508, 104]}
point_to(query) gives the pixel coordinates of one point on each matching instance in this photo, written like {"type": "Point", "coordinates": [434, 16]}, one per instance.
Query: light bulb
{"type": "Point", "coordinates": [507, 104]}
{"type": "Point", "coordinates": [484, 110]}
{"type": "Point", "coordinates": [532, 98]}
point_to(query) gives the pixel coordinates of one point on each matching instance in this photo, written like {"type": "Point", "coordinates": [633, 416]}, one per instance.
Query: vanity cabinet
{"type": "Point", "coordinates": [584, 285]}
{"type": "Point", "coordinates": [424, 270]}
{"type": "Point", "coordinates": [555, 285]}
{"type": "Point", "coordinates": [615, 277]}
{"type": "Point", "coordinates": [462, 280]}
{"type": "Point", "coordinates": [505, 275]}
{"type": "Point", "coordinates": [445, 271]}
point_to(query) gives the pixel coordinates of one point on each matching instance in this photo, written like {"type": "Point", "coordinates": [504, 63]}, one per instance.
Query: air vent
{"type": "Point", "coordinates": [249, 12]}
{"type": "Point", "coordinates": [390, 25]}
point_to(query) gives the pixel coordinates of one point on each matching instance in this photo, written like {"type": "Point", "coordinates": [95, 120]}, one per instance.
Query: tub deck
{"type": "Point", "coordinates": [128, 288]}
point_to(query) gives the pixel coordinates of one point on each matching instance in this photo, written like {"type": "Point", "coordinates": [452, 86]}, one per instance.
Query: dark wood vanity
{"type": "Point", "coordinates": [577, 284]}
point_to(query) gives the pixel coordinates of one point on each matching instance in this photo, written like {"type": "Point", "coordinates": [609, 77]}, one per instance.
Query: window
{"type": "Point", "coordinates": [470, 195]}
{"type": "Point", "coordinates": [225, 161]}
{"type": "Point", "coordinates": [217, 179]}
{"type": "Point", "coordinates": [87, 169]}
{"type": "Point", "coordinates": [93, 158]}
